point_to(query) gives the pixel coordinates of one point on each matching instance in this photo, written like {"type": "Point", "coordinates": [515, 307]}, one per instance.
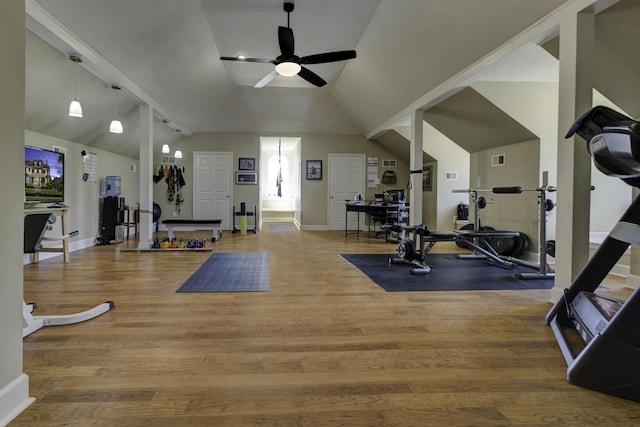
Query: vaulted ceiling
{"type": "Point", "coordinates": [167, 53]}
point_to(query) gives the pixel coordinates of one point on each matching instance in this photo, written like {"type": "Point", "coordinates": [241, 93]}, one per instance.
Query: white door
{"type": "Point", "coordinates": [212, 187]}
{"type": "Point", "coordinates": [346, 181]}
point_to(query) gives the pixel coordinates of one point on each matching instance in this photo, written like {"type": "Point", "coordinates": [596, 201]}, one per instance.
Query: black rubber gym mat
{"type": "Point", "coordinates": [231, 272]}
{"type": "Point", "coordinates": [448, 273]}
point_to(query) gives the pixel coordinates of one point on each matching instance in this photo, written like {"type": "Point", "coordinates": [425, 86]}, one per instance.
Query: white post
{"type": "Point", "coordinates": [146, 172]}
{"type": "Point", "coordinates": [415, 163]}
{"type": "Point", "coordinates": [574, 162]}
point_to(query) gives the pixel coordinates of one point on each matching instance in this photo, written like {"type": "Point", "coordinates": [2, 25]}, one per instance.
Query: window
{"type": "Point", "coordinates": [273, 166]}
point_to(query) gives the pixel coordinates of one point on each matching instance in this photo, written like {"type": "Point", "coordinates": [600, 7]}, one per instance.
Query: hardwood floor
{"type": "Point", "coordinates": [324, 347]}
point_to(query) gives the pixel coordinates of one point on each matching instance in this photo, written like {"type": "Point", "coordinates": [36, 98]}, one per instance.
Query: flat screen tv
{"type": "Point", "coordinates": [43, 175]}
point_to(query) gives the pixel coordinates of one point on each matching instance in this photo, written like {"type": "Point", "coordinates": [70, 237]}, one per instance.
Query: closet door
{"type": "Point", "coordinates": [212, 196]}
{"type": "Point", "coordinates": [346, 180]}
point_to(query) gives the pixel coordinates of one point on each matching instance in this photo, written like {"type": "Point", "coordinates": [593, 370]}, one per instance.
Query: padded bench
{"type": "Point", "coordinates": [214, 224]}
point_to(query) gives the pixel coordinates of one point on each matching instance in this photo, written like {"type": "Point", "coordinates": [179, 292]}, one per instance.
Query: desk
{"type": "Point", "coordinates": [384, 213]}
{"type": "Point", "coordinates": [353, 207]}
{"type": "Point", "coordinates": [59, 212]}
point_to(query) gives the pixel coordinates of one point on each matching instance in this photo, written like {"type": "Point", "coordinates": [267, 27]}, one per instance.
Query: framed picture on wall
{"type": "Point", "coordinates": [314, 169]}
{"type": "Point", "coordinates": [427, 177]}
{"type": "Point", "coordinates": [246, 178]}
{"type": "Point", "coordinates": [247, 164]}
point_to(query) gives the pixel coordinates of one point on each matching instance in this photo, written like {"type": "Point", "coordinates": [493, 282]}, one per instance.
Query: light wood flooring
{"type": "Point", "coordinates": [325, 347]}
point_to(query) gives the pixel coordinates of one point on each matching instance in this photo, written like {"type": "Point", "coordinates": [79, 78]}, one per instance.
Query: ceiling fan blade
{"type": "Point", "coordinates": [267, 79]}
{"type": "Point", "coordinates": [285, 39]}
{"type": "Point", "coordinates": [321, 58]}
{"type": "Point", "coordinates": [311, 77]}
{"type": "Point", "coordinates": [235, 58]}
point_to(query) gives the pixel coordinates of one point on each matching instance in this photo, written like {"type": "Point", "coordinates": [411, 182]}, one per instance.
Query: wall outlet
{"type": "Point", "coordinates": [175, 213]}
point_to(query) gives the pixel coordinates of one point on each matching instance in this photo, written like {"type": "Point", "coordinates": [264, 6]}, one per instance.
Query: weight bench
{"type": "Point", "coordinates": [214, 224]}
{"type": "Point", "coordinates": [414, 250]}
{"type": "Point", "coordinates": [35, 226]}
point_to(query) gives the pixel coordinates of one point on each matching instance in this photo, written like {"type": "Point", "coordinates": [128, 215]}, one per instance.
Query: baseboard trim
{"type": "Point", "coordinates": [14, 398]}
{"type": "Point", "coordinates": [73, 246]}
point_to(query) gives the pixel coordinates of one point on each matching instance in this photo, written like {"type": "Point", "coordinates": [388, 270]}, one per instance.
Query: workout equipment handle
{"type": "Point", "coordinates": [507, 190]}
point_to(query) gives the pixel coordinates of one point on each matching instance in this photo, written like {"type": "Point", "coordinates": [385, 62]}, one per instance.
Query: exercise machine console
{"type": "Point", "coordinates": [609, 360]}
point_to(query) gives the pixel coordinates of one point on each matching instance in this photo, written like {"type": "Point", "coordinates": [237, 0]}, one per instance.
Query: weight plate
{"type": "Point", "coordinates": [502, 246]}
{"type": "Point", "coordinates": [406, 250]}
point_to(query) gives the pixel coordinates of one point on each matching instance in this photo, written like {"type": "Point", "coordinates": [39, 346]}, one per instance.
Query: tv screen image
{"type": "Point", "coordinates": [43, 175]}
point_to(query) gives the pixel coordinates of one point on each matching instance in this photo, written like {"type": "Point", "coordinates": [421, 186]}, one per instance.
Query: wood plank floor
{"type": "Point", "coordinates": [325, 347]}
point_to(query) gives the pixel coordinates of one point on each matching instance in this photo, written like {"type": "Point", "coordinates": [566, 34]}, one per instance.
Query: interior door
{"type": "Point", "coordinates": [212, 187]}
{"type": "Point", "coordinates": [346, 181]}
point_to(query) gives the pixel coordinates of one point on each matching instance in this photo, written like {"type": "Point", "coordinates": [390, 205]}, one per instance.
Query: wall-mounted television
{"type": "Point", "coordinates": [43, 175]}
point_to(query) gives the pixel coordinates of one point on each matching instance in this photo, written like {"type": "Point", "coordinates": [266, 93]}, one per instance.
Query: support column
{"type": "Point", "coordinates": [574, 162]}
{"type": "Point", "coordinates": [415, 163]}
{"type": "Point", "coordinates": [146, 172]}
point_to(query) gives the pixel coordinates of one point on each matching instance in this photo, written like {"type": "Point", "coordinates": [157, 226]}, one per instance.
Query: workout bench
{"type": "Point", "coordinates": [35, 226]}
{"type": "Point", "coordinates": [414, 250]}
{"type": "Point", "coordinates": [214, 224]}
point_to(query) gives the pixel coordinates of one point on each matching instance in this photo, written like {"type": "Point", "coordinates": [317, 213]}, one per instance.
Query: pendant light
{"type": "Point", "coordinates": [75, 108]}
{"type": "Point", "coordinates": [165, 146]}
{"type": "Point", "coordinates": [178, 153]}
{"type": "Point", "coordinates": [116, 125]}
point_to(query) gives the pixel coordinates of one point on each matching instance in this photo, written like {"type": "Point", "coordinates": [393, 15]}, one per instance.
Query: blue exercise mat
{"type": "Point", "coordinates": [280, 228]}
{"type": "Point", "coordinates": [448, 273]}
{"type": "Point", "coordinates": [231, 272]}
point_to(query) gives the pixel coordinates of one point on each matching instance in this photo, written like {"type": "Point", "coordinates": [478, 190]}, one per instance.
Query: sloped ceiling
{"type": "Point", "coordinates": [170, 50]}
{"type": "Point", "coordinates": [474, 123]}
{"type": "Point", "coordinates": [398, 146]}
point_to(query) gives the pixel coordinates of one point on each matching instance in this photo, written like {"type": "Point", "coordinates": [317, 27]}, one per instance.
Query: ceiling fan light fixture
{"type": "Point", "coordinates": [288, 69]}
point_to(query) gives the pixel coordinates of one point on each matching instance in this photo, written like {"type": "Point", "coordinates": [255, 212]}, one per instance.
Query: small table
{"type": "Point", "coordinates": [353, 207]}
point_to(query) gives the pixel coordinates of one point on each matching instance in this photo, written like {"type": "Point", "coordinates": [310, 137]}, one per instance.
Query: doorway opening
{"type": "Point", "coordinates": [280, 179]}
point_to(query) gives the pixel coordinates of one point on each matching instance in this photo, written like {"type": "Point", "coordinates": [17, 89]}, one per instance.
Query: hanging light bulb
{"type": "Point", "coordinates": [75, 109]}
{"type": "Point", "coordinates": [116, 125]}
{"type": "Point", "coordinates": [165, 147]}
{"type": "Point", "coordinates": [178, 154]}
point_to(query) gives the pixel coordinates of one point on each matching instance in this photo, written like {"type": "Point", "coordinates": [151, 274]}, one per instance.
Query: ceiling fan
{"type": "Point", "coordinates": [288, 63]}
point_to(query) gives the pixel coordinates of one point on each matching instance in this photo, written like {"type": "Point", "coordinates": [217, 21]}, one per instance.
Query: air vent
{"type": "Point", "coordinates": [451, 176]}
{"type": "Point", "coordinates": [498, 160]}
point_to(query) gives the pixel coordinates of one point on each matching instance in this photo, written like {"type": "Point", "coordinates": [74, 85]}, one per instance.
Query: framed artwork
{"type": "Point", "coordinates": [314, 169]}
{"type": "Point", "coordinates": [246, 178]}
{"type": "Point", "coordinates": [427, 177]}
{"type": "Point", "coordinates": [247, 164]}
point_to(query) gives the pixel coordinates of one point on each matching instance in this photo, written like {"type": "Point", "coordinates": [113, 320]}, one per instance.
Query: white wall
{"type": "Point", "coordinates": [440, 205]}
{"type": "Point", "coordinates": [14, 384]}
{"type": "Point", "coordinates": [534, 106]}
{"type": "Point", "coordinates": [83, 197]}
{"type": "Point", "coordinates": [513, 212]}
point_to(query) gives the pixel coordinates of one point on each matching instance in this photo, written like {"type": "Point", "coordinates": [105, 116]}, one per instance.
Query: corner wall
{"type": "Point", "coordinates": [14, 384]}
